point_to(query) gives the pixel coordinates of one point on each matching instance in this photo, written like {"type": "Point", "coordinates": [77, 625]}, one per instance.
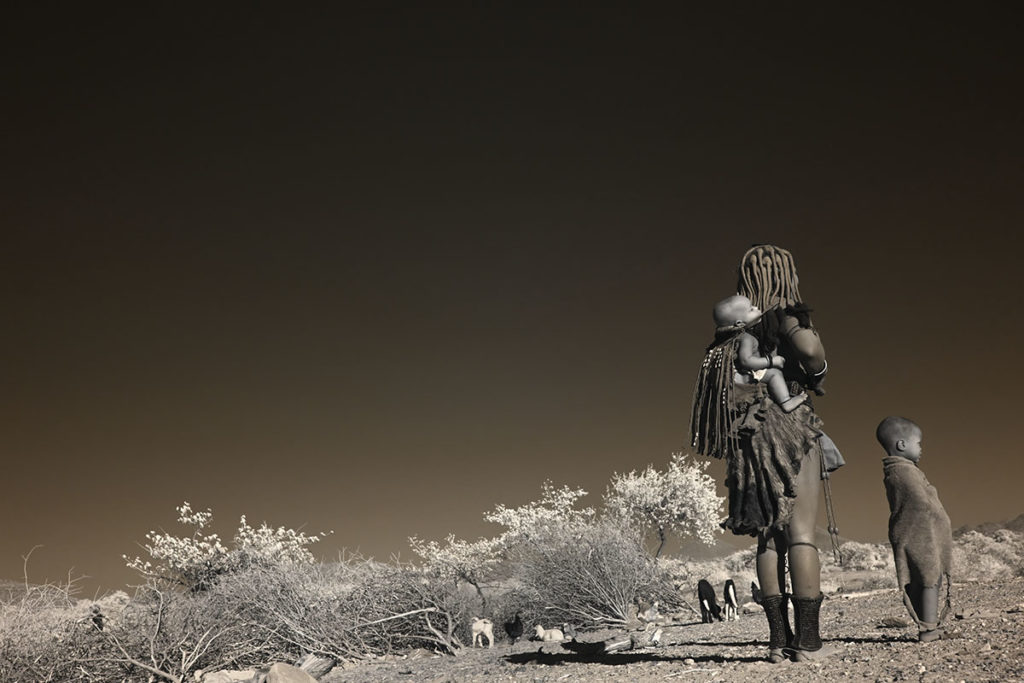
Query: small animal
{"type": "Point", "coordinates": [732, 612]}
{"type": "Point", "coordinates": [514, 629]}
{"type": "Point", "coordinates": [569, 630]}
{"type": "Point", "coordinates": [548, 635]}
{"type": "Point", "coordinates": [755, 593]}
{"type": "Point", "coordinates": [709, 609]}
{"type": "Point", "coordinates": [483, 628]}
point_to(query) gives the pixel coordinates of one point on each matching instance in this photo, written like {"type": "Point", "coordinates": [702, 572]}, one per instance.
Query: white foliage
{"type": "Point", "coordinates": [681, 499]}
{"type": "Point", "coordinates": [457, 559]}
{"type": "Point", "coordinates": [556, 509]}
{"type": "Point", "coordinates": [195, 561]}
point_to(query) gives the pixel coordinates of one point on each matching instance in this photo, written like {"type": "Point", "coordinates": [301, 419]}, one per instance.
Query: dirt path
{"type": "Point", "coordinates": [989, 646]}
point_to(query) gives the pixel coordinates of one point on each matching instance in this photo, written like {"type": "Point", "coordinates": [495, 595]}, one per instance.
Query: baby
{"type": "Point", "coordinates": [737, 312]}
{"type": "Point", "coordinates": [919, 528]}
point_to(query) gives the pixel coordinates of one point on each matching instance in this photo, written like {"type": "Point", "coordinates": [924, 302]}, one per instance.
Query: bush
{"type": "Point", "coordinates": [986, 557]}
{"type": "Point", "coordinates": [867, 557]}
{"type": "Point", "coordinates": [196, 562]}
{"type": "Point", "coordinates": [593, 573]}
{"type": "Point", "coordinates": [37, 628]}
{"type": "Point", "coordinates": [354, 609]}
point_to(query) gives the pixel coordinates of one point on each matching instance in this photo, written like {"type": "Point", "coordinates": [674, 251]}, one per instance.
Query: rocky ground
{"type": "Point", "coordinates": [867, 630]}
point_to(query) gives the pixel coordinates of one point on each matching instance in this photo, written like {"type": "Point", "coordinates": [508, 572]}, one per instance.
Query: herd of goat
{"type": "Point", "coordinates": [483, 628]}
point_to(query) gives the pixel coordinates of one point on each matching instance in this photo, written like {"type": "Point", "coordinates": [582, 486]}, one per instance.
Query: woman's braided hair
{"type": "Point", "coordinates": [767, 276]}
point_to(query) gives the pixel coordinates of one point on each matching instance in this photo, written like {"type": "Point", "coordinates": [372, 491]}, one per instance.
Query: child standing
{"type": "Point", "coordinates": [919, 528]}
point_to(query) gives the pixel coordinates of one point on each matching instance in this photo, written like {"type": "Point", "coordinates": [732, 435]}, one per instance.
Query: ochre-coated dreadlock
{"type": "Point", "coordinates": [767, 276]}
{"type": "Point", "coordinates": [712, 431]}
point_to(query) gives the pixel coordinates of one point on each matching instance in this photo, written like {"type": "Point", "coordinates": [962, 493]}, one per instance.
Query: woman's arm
{"type": "Point", "coordinates": [806, 346]}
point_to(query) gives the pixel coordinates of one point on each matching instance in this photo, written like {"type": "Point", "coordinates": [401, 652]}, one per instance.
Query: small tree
{"type": "Point", "coordinates": [194, 562]}
{"type": "Point", "coordinates": [682, 499]}
{"type": "Point", "coordinates": [555, 509]}
{"type": "Point", "coordinates": [459, 560]}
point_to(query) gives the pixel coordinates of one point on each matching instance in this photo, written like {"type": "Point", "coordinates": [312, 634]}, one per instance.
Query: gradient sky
{"type": "Point", "coordinates": [379, 270]}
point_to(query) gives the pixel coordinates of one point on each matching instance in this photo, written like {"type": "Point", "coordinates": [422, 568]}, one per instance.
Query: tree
{"type": "Point", "coordinates": [459, 560]}
{"type": "Point", "coordinates": [681, 499]}
{"type": "Point", "coordinates": [556, 508]}
{"type": "Point", "coordinates": [194, 562]}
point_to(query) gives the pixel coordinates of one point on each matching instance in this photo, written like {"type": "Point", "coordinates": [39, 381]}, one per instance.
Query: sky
{"type": "Point", "coordinates": [377, 270]}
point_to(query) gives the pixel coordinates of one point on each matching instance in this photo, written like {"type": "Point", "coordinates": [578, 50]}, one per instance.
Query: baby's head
{"type": "Point", "coordinates": [900, 436]}
{"type": "Point", "coordinates": [736, 311]}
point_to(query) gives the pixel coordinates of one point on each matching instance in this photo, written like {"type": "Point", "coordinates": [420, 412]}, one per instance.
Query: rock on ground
{"type": "Point", "coordinates": [244, 676]}
{"type": "Point", "coordinates": [286, 673]}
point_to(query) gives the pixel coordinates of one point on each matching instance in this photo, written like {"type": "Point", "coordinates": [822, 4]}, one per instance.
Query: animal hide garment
{"type": "Point", "coordinates": [919, 531]}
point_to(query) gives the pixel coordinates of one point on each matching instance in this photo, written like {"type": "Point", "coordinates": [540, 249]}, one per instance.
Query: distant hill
{"type": "Point", "coordinates": [989, 528]}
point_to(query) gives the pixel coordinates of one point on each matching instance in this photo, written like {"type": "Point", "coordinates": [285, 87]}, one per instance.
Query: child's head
{"type": "Point", "coordinates": [900, 436]}
{"type": "Point", "coordinates": [736, 311]}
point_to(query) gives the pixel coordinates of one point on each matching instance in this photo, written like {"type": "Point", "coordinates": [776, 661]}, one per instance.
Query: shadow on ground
{"type": "Point", "coordinates": [617, 659]}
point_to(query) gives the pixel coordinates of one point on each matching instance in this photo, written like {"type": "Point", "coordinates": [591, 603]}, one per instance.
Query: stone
{"type": "Point", "coordinates": [286, 673]}
{"type": "Point", "coordinates": [230, 676]}
{"type": "Point", "coordinates": [317, 667]}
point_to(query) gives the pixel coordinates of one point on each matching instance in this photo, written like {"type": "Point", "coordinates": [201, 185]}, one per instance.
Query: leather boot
{"type": "Point", "coordinates": [779, 633]}
{"type": "Point", "coordinates": [807, 643]}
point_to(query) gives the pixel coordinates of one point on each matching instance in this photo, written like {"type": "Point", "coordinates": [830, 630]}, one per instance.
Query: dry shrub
{"type": "Point", "coordinates": [353, 609]}
{"type": "Point", "coordinates": [508, 600]}
{"type": "Point", "coordinates": [867, 556]}
{"type": "Point", "coordinates": [591, 573]}
{"type": "Point", "coordinates": [988, 557]}
{"type": "Point", "coordinates": [36, 628]}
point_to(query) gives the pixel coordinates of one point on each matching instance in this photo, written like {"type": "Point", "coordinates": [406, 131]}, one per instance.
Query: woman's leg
{"type": "Point", "coordinates": [771, 562]}
{"type": "Point", "coordinates": [771, 574]}
{"type": "Point", "coordinates": [804, 565]}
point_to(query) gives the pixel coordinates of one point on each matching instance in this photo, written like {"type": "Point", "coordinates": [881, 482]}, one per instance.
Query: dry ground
{"type": "Point", "coordinates": [988, 646]}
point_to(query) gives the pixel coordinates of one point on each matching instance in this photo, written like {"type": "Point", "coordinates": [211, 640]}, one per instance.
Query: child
{"type": "Point", "coordinates": [919, 528]}
{"type": "Point", "coordinates": [737, 313]}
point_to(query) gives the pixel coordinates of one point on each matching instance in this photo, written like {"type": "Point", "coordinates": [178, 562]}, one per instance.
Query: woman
{"type": "Point", "coordinates": [773, 457]}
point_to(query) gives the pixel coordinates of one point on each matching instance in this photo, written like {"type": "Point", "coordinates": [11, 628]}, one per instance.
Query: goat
{"type": "Point", "coordinates": [732, 612]}
{"type": "Point", "coordinates": [548, 635]}
{"type": "Point", "coordinates": [709, 609]}
{"type": "Point", "coordinates": [483, 628]}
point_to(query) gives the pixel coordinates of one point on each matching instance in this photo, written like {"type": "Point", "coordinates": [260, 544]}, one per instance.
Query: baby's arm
{"type": "Point", "coordinates": [748, 358]}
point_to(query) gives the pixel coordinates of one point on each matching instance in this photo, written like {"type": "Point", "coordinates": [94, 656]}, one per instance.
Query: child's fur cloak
{"type": "Point", "coordinates": [919, 531]}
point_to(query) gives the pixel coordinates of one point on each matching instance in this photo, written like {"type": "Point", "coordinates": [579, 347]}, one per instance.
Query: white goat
{"type": "Point", "coordinates": [483, 628]}
{"type": "Point", "coordinates": [548, 635]}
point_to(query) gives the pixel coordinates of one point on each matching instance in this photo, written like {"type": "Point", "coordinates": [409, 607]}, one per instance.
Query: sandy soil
{"type": "Point", "coordinates": [987, 644]}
